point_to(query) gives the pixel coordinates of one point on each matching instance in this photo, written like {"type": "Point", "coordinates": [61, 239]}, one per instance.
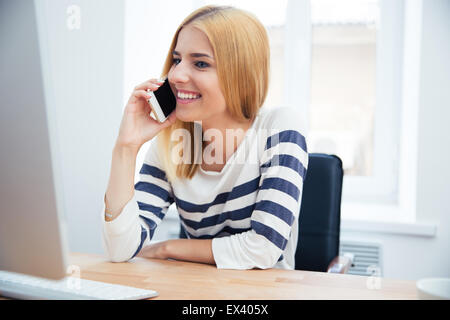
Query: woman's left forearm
{"type": "Point", "coordinates": [194, 250]}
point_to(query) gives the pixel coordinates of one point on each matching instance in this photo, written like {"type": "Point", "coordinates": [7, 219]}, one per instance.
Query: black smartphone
{"type": "Point", "coordinates": [163, 101]}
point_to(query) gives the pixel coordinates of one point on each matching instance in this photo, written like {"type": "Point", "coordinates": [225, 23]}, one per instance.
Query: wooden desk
{"type": "Point", "coordinates": [192, 281]}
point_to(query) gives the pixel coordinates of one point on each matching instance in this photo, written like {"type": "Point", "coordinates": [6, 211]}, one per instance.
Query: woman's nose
{"type": "Point", "coordinates": [179, 73]}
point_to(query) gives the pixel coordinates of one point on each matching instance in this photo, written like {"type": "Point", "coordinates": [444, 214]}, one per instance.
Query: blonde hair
{"type": "Point", "coordinates": [242, 54]}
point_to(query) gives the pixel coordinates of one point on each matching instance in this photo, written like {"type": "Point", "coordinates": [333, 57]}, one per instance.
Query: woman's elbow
{"type": "Point", "coordinates": [116, 256]}
{"type": "Point", "coordinates": [268, 263]}
{"type": "Point", "coordinates": [116, 253]}
{"type": "Point", "coordinates": [269, 255]}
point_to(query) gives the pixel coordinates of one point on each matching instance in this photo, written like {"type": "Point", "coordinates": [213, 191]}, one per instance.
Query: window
{"type": "Point", "coordinates": [343, 69]}
{"type": "Point", "coordinates": [347, 57]}
{"type": "Point", "coordinates": [340, 63]}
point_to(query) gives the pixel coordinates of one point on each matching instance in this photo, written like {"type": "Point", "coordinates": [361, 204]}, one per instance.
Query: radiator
{"type": "Point", "coordinates": [366, 257]}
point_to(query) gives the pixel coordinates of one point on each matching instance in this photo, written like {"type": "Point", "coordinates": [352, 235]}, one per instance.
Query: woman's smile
{"type": "Point", "coordinates": [185, 97]}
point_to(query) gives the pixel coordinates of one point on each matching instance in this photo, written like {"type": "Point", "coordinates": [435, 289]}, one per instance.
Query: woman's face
{"type": "Point", "coordinates": [193, 78]}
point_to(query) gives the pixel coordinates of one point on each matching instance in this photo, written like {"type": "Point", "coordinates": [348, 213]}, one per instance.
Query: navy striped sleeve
{"type": "Point", "coordinates": [126, 235]}
{"type": "Point", "coordinates": [283, 168]}
{"type": "Point", "coordinates": [153, 194]}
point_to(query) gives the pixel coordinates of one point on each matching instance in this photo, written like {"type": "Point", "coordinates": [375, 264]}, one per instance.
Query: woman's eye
{"type": "Point", "coordinates": [201, 64]}
{"type": "Point", "coordinates": [176, 61]}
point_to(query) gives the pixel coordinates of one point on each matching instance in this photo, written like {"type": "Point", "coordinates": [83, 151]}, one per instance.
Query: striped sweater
{"type": "Point", "coordinates": [250, 209]}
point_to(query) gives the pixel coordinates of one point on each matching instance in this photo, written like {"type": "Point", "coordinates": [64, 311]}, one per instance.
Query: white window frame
{"type": "Point", "coordinates": [382, 186]}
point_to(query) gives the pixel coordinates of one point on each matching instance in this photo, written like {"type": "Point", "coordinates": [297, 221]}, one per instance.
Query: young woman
{"type": "Point", "coordinates": [238, 202]}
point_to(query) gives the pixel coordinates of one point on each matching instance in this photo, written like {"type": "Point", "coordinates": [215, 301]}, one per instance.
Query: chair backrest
{"type": "Point", "coordinates": [320, 213]}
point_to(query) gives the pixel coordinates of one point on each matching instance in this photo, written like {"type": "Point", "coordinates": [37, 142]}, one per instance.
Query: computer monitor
{"type": "Point", "coordinates": [32, 224]}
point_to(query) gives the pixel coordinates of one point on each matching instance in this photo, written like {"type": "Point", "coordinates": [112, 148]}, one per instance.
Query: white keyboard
{"type": "Point", "coordinates": [15, 285]}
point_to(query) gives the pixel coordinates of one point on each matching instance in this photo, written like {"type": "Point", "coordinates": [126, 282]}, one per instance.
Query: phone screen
{"type": "Point", "coordinates": [166, 99]}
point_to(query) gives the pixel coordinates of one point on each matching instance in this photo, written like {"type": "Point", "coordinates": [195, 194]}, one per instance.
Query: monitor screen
{"type": "Point", "coordinates": [32, 238]}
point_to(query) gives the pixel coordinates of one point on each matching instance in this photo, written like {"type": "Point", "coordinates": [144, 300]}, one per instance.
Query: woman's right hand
{"type": "Point", "coordinates": [137, 126]}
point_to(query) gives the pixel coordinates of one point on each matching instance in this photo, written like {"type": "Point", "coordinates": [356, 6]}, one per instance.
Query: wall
{"type": "Point", "coordinates": [433, 184]}
{"type": "Point", "coordinates": [408, 256]}
{"type": "Point", "coordinates": [86, 68]}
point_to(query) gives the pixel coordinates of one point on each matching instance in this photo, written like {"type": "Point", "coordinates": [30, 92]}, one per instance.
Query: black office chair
{"type": "Point", "coordinates": [320, 217]}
